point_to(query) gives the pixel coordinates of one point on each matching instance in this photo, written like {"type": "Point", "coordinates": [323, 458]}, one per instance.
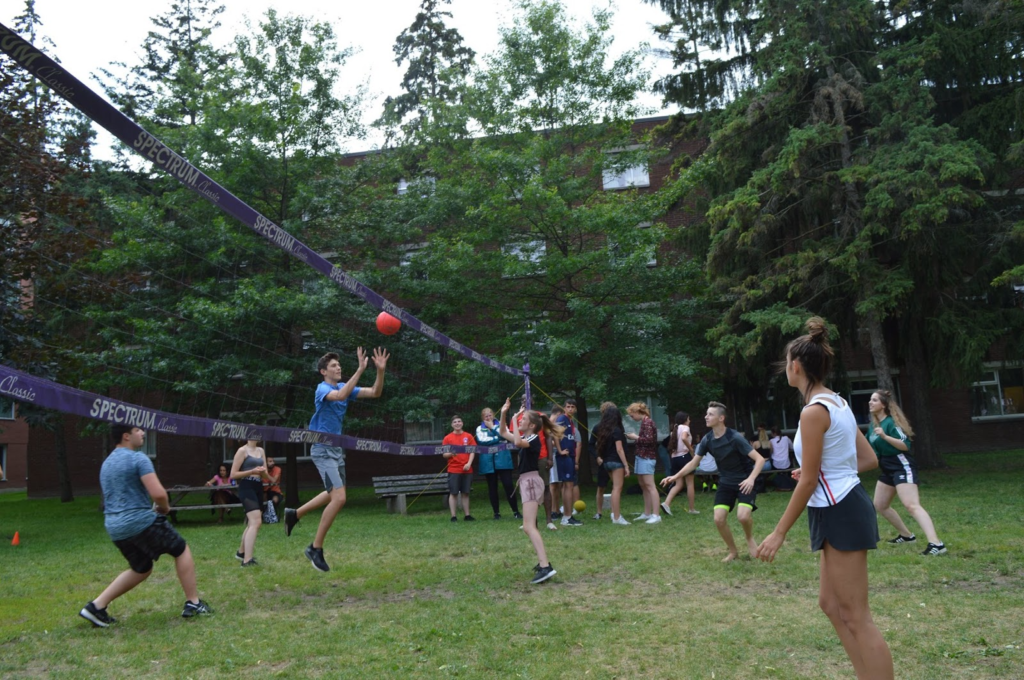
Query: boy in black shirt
{"type": "Point", "coordinates": [738, 467]}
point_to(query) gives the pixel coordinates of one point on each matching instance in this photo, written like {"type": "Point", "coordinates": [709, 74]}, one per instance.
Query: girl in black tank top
{"type": "Point", "coordinates": [249, 469]}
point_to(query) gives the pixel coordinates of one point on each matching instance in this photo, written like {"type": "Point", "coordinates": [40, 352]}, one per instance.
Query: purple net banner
{"type": "Point", "coordinates": [26, 388]}
{"type": "Point", "coordinates": [146, 145]}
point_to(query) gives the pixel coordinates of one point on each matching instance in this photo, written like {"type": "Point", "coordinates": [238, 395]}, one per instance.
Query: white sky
{"type": "Point", "coordinates": [90, 34]}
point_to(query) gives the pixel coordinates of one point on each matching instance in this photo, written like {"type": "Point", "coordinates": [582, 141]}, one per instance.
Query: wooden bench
{"type": "Point", "coordinates": [395, 489]}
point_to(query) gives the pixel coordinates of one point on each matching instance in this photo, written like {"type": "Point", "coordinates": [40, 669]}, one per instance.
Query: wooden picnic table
{"type": "Point", "coordinates": [176, 496]}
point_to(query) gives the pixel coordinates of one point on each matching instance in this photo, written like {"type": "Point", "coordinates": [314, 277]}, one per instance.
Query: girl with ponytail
{"type": "Point", "coordinates": [890, 438]}
{"type": "Point", "coordinates": [832, 451]}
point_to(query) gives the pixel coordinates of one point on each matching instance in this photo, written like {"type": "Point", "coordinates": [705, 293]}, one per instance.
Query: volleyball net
{"type": "Point", "coordinates": [167, 344]}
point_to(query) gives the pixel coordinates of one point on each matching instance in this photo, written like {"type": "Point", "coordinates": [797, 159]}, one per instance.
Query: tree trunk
{"type": "Point", "coordinates": [291, 480]}
{"type": "Point", "coordinates": [879, 352]}
{"type": "Point", "coordinates": [917, 403]}
{"type": "Point", "coordinates": [60, 447]}
{"type": "Point", "coordinates": [583, 423]}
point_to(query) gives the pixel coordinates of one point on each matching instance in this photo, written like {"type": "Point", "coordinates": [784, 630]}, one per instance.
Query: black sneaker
{"type": "Point", "coordinates": [454, 518]}
{"type": "Point", "coordinates": [903, 539]}
{"type": "Point", "coordinates": [543, 574]}
{"type": "Point", "coordinates": [935, 549]}
{"type": "Point", "coordinates": [536, 568]}
{"type": "Point", "coordinates": [572, 522]}
{"type": "Point", "coordinates": [251, 563]}
{"type": "Point", "coordinates": [497, 515]}
{"type": "Point", "coordinates": [194, 609]}
{"type": "Point", "coordinates": [517, 515]}
{"type": "Point", "coordinates": [316, 556]}
{"type": "Point", "coordinates": [99, 618]}
{"type": "Point", "coordinates": [291, 518]}
{"type": "Point", "coordinates": [240, 556]}
{"type": "Point", "coordinates": [556, 515]}
{"type": "Point", "coordinates": [469, 518]}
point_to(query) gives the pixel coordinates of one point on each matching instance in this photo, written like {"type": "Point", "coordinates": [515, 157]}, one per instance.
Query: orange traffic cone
{"type": "Point", "coordinates": [16, 540]}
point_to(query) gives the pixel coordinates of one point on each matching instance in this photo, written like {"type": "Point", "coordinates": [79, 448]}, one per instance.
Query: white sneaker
{"type": "Point", "coordinates": [565, 520]}
{"type": "Point", "coordinates": [552, 526]}
{"type": "Point", "coordinates": [667, 510]}
{"type": "Point", "coordinates": [620, 520]}
{"type": "Point", "coordinates": [642, 517]}
{"type": "Point", "coordinates": [653, 519]}
{"type": "Point", "coordinates": [693, 512]}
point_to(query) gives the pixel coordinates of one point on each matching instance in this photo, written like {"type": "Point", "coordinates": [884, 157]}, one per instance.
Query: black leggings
{"type": "Point", "coordinates": [510, 489]}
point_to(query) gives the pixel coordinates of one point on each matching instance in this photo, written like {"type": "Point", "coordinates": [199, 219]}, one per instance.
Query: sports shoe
{"type": "Point", "coordinates": [469, 518]}
{"type": "Point", "coordinates": [316, 556]}
{"type": "Point", "coordinates": [556, 515]}
{"type": "Point", "coordinates": [903, 539]}
{"type": "Point", "coordinates": [536, 568]}
{"type": "Point", "coordinates": [543, 574]}
{"type": "Point", "coordinates": [454, 518]}
{"type": "Point", "coordinates": [291, 518]}
{"type": "Point", "coordinates": [668, 510]}
{"type": "Point", "coordinates": [552, 527]}
{"type": "Point", "coordinates": [653, 519]}
{"type": "Point", "coordinates": [642, 517]}
{"type": "Point", "coordinates": [251, 563]}
{"type": "Point", "coordinates": [99, 618]}
{"type": "Point", "coordinates": [935, 549]}
{"type": "Point", "coordinates": [620, 520]}
{"type": "Point", "coordinates": [597, 515]}
{"type": "Point", "coordinates": [194, 609]}
{"type": "Point", "coordinates": [240, 556]}
{"type": "Point", "coordinates": [497, 515]}
{"type": "Point", "coordinates": [571, 522]}
{"type": "Point", "coordinates": [693, 512]}
{"type": "Point", "coordinates": [517, 515]}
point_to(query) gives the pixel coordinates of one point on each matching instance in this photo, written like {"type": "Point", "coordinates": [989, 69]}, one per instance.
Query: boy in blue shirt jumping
{"type": "Point", "coordinates": [331, 402]}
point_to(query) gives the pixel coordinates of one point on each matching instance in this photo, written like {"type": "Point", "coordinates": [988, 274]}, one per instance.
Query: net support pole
{"type": "Point", "coordinates": [526, 386]}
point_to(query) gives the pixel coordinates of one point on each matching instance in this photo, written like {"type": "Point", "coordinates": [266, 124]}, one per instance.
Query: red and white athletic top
{"type": "Point", "coordinates": [838, 473]}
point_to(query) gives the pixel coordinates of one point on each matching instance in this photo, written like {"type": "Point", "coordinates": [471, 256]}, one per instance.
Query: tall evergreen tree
{"type": "Point", "coordinates": [834, 187]}
{"type": "Point", "coordinates": [438, 63]}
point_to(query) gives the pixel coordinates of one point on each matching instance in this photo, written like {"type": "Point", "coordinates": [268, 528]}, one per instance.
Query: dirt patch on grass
{"type": "Point", "coordinates": [382, 599]}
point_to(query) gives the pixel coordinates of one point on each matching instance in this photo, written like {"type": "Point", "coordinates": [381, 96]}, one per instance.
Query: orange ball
{"type": "Point", "coordinates": [387, 324]}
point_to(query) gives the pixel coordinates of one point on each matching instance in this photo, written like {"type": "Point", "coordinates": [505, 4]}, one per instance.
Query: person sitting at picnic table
{"type": "Point", "coordinates": [272, 485]}
{"type": "Point", "coordinates": [222, 496]}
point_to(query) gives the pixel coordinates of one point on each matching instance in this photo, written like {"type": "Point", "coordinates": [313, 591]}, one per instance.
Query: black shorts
{"type": "Point", "coordinates": [729, 494]}
{"type": "Point", "coordinates": [896, 470]}
{"type": "Point", "coordinates": [850, 524]}
{"type": "Point", "coordinates": [679, 462]}
{"type": "Point", "coordinates": [250, 494]}
{"type": "Point", "coordinates": [146, 547]}
{"type": "Point", "coordinates": [459, 482]}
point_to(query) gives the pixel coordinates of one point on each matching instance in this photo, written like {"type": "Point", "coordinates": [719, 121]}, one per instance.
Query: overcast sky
{"type": "Point", "coordinates": [90, 34]}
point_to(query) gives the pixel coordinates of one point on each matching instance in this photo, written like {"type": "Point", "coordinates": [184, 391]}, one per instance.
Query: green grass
{"type": "Point", "coordinates": [417, 596]}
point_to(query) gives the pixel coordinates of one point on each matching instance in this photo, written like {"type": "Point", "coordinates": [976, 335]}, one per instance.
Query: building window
{"type": "Point", "coordinates": [619, 256]}
{"type": "Point", "coordinates": [629, 176]}
{"type": "Point", "coordinates": [149, 447]}
{"type": "Point", "coordinates": [410, 260]}
{"type": "Point", "coordinates": [524, 253]}
{"type": "Point", "coordinates": [1000, 392]}
{"type": "Point", "coordinates": [426, 185]}
{"type": "Point", "coordinates": [426, 431]}
{"type": "Point", "coordinates": [3, 462]}
{"type": "Point", "coordinates": [6, 409]}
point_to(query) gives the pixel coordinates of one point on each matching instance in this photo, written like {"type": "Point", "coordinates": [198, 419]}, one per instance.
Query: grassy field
{"type": "Point", "coordinates": [417, 596]}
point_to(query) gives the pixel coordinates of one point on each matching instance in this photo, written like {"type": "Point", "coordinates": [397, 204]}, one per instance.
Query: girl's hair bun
{"type": "Point", "coordinates": [817, 329]}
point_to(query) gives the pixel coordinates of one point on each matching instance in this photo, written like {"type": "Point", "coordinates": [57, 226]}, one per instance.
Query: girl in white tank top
{"type": "Point", "coordinates": [838, 473]}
